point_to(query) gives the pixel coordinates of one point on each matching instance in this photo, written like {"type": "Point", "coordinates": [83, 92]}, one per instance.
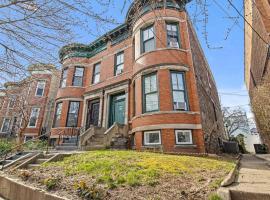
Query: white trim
{"type": "Point", "coordinates": [144, 138]}
{"type": "Point", "coordinates": [43, 89]}
{"type": "Point", "coordinates": [36, 119]}
{"type": "Point", "coordinates": [183, 131]}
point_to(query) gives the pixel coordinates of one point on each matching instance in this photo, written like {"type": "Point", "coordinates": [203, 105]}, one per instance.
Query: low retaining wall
{"type": "Point", "coordinates": [11, 189]}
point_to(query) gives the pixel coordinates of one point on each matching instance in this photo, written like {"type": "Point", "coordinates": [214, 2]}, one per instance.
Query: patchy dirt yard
{"type": "Point", "coordinates": [129, 175]}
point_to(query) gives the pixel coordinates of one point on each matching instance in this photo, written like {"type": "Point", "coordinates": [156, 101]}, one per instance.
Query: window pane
{"type": "Point", "coordinates": [149, 45]}
{"type": "Point", "coordinates": [179, 100]}
{"type": "Point", "coordinates": [79, 71]}
{"type": "Point", "coordinates": [64, 78]}
{"type": "Point", "coordinates": [172, 35]}
{"type": "Point", "coordinates": [34, 117]}
{"type": "Point", "coordinates": [184, 137]}
{"type": "Point", "coordinates": [5, 127]}
{"type": "Point", "coordinates": [177, 81]}
{"type": "Point", "coordinates": [152, 138]}
{"type": "Point", "coordinates": [120, 59]}
{"type": "Point", "coordinates": [150, 83]}
{"type": "Point", "coordinates": [58, 113]}
{"type": "Point", "coordinates": [40, 88]}
{"type": "Point", "coordinates": [73, 114]}
{"type": "Point", "coordinates": [119, 69]}
{"type": "Point", "coordinates": [151, 102]}
{"type": "Point", "coordinates": [96, 78]}
{"type": "Point", "coordinates": [78, 81]}
{"type": "Point", "coordinates": [97, 68]}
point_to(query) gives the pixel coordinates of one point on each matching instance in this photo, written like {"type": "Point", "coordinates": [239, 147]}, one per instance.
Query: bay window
{"type": "Point", "coordinates": [179, 91]}
{"type": "Point", "coordinates": [57, 115]}
{"type": "Point", "coordinates": [73, 113]}
{"type": "Point", "coordinates": [40, 88]}
{"type": "Point", "coordinates": [33, 117]}
{"type": "Point", "coordinates": [148, 39]}
{"type": "Point", "coordinates": [78, 76]}
{"type": "Point", "coordinates": [150, 93]}
{"type": "Point", "coordinates": [172, 35]}
{"type": "Point", "coordinates": [63, 82]}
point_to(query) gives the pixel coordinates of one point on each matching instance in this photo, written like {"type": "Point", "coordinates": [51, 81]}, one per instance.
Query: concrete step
{"type": "Point", "coordinates": [40, 160]}
{"type": "Point", "coordinates": [31, 166]}
{"type": "Point", "coordinates": [246, 195]}
{"type": "Point", "coordinates": [48, 156]}
{"type": "Point", "coordinates": [66, 148]}
{"type": "Point", "coordinates": [94, 143]}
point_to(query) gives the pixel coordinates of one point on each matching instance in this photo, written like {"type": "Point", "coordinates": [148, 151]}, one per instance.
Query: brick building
{"type": "Point", "coordinates": [257, 54]}
{"type": "Point", "coordinates": [27, 107]}
{"type": "Point", "coordinates": [149, 74]}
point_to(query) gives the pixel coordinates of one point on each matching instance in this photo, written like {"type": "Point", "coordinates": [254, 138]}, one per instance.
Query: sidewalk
{"type": "Point", "coordinates": [253, 182]}
{"type": "Point", "coordinates": [264, 156]}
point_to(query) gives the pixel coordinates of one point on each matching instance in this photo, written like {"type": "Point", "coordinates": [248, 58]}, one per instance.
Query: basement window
{"type": "Point", "coordinates": [152, 138]}
{"type": "Point", "coordinates": [183, 137]}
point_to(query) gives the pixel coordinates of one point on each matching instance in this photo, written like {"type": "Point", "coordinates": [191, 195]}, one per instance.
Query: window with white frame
{"type": "Point", "coordinates": [179, 91]}
{"type": "Point", "coordinates": [152, 138]}
{"type": "Point", "coordinates": [40, 88]}
{"type": "Point", "coordinates": [150, 93]}
{"type": "Point", "coordinates": [96, 73]}
{"type": "Point", "coordinates": [63, 82]}
{"type": "Point", "coordinates": [183, 137]}
{"type": "Point", "coordinates": [5, 125]}
{"type": "Point", "coordinates": [78, 76]}
{"type": "Point", "coordinates": [148, 39]}
{"type": "Point", "coordinates": [119, 63]}
{"type": "Point", "coordinates": [33, 117]}
{"type": "Point", "coordinates": [172, 35]}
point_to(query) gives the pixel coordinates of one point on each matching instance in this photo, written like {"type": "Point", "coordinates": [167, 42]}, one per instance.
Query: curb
{"type": "Point", "coordinates": [230, 178]}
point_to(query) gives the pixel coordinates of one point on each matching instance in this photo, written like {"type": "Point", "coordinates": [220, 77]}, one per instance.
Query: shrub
{"type": "Point", "coordinates": [214, 197]}
{"type": "Point", "coordinates": [88, 193]}
{"type": "Point", "coordinates": [5, 146]}
{"type": "Point", "coordinates": [36, 145]}
{"type": "Point", "coordinates": [51, 183]}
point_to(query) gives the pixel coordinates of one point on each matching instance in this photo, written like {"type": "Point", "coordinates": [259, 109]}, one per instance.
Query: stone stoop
{"type": "Point", "coordinates": [68, 145]}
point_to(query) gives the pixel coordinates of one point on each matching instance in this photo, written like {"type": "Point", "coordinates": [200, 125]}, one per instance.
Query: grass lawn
{"type": "Point", "coordinates": [132, 175]}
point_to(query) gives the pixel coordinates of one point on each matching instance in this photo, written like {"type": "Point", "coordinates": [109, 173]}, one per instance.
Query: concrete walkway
{"type": "Point", "coordinates": [253, 182]}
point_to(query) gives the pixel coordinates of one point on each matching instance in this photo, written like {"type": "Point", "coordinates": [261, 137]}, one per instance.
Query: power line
{"type": "Point", "coordinates": [240, 14]}
{"type": "Point", "coordinates": [233, 94]}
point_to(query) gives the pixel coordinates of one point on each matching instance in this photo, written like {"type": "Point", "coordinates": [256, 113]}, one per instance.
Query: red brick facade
{"type": "Point", "coordinates": [26, 99]}
{"type": "Point", "coordinates": [162, 61]}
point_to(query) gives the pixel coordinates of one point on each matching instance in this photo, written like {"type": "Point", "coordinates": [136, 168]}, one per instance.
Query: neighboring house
{"type": "Point", "coordinates": [257, 52]}
{"type": "Point", "coordinates": [27, 106]}
{"type": "Point", "coordinates": [149, 74]}
{"type": "Point", "coordinates": [252, 138]}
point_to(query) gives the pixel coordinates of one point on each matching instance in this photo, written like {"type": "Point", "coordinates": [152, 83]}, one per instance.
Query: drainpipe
{"type": "Point", "coordinates": [102, 107]}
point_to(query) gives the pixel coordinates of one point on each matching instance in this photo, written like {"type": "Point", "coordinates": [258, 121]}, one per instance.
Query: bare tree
{"type": "Point", "coordinates": [234, 119]}
{"type": "Point", "coordinates": [31, 31]}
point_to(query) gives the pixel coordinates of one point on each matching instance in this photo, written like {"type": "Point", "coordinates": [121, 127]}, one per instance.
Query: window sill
{"type": "Point", "coordinates": [186, 146]}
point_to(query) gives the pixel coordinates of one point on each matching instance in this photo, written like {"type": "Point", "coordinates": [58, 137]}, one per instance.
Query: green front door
{"type": "Point", "coordinates": [117, 109]}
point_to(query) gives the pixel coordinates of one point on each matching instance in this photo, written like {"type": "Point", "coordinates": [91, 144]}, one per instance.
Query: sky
{"type": "Point", "coordinates": [225, 30]}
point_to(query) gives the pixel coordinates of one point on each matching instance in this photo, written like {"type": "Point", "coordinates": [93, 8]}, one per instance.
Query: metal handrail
{"type": "Point", "coordinates": [73, 133]}
{"type": "Point", "coordinates": [3, 156]}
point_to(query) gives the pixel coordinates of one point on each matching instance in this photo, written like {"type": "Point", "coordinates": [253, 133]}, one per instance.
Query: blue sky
{"type": "Point", "coordinates": [225, 57]}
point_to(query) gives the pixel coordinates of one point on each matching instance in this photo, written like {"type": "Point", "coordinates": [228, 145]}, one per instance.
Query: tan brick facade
{"type": "Point", "coordinates": [257, 50]}
{"type": "Point", "coordinates": [162, 61]}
